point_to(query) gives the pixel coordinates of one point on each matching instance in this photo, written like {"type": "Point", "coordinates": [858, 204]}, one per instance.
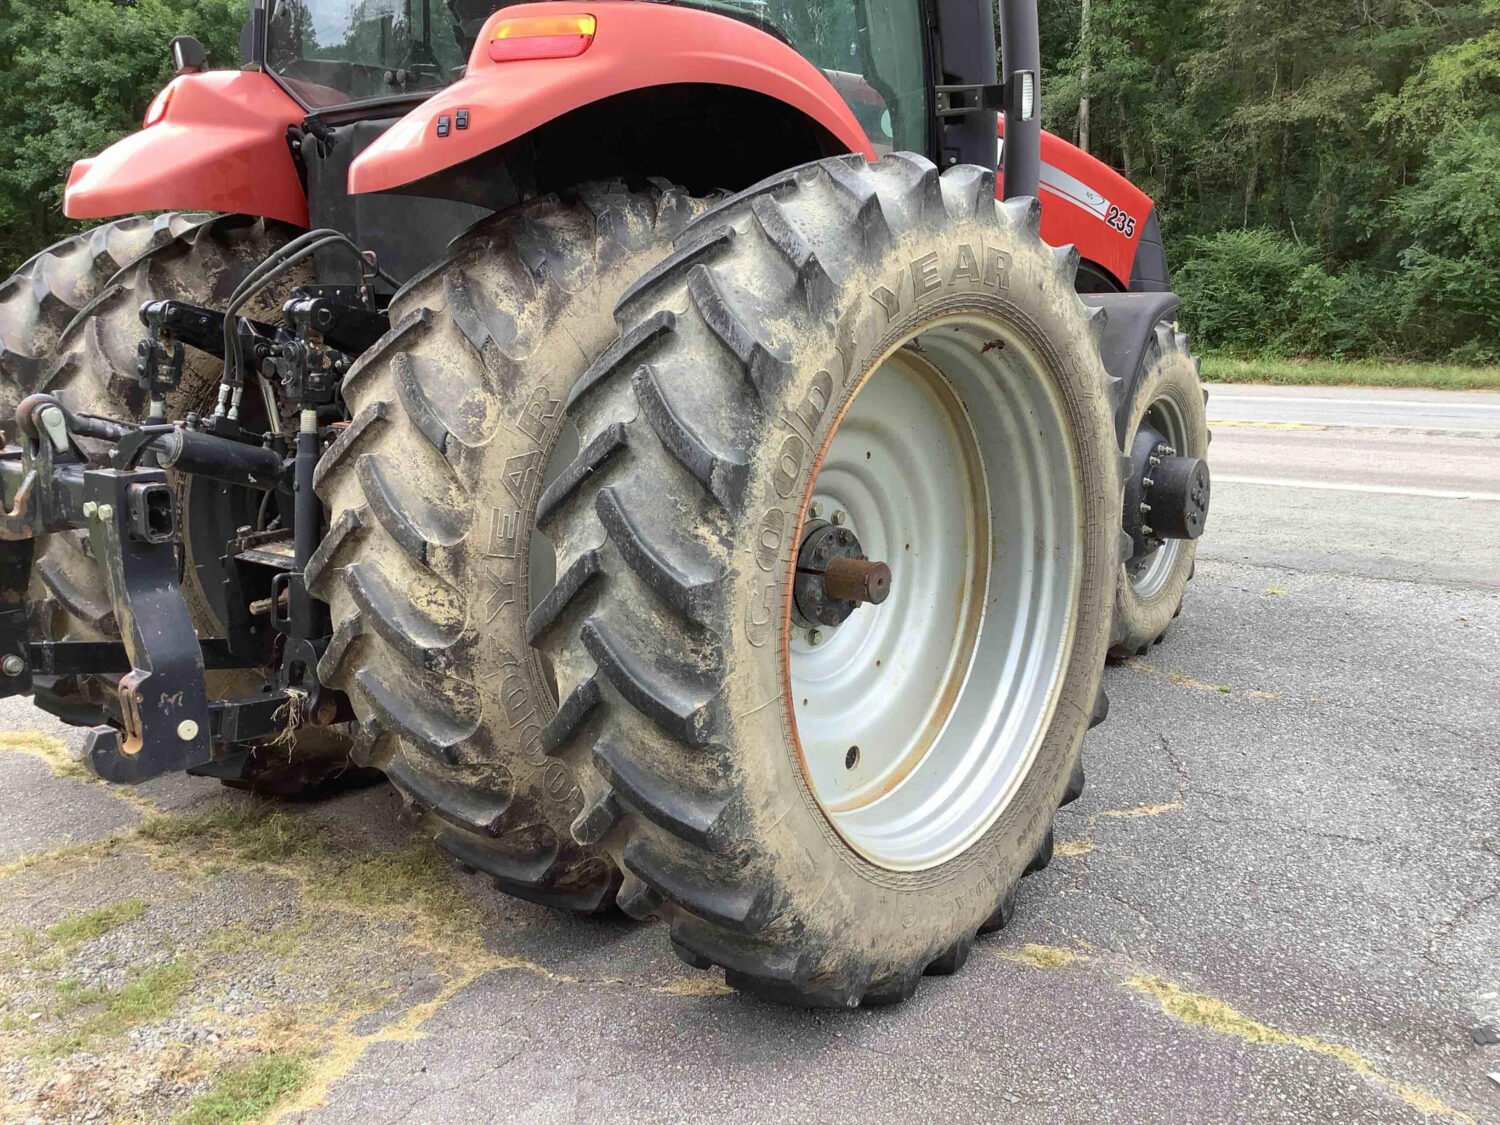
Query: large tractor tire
{"type": "Point", "coordinates": [829, 797]}
{"type": "Point", "coordinates": [431, 492]}
{"type": "Point", "coordinates": [93, 370]}
{"type": "Point", "coordinates": [41, 298]}
{"type": "Point", "coordinates": [1165, 417]}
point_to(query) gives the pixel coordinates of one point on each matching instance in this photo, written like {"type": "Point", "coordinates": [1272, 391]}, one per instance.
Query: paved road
{"type": "Point", "coordinates": [1278, 899]}
{"type": "Point", "coordinates": [1360, 407]}
{"type": "Point", "coordinates": [1363, 483]}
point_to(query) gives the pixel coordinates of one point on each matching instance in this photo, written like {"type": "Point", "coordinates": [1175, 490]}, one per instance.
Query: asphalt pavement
{"type": "Point", "coordinates": [1277, 900]}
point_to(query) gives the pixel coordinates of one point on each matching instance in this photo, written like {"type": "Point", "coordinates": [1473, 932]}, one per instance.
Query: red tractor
{"type": "Point", "coordinates": [639, 431]}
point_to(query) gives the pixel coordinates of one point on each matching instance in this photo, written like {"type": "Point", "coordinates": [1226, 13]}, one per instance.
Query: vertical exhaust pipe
{"type": "Point", "coordinates": [1021, 58]}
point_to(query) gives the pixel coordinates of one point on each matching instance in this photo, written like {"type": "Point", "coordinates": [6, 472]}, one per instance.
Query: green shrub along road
{"type": "Point", "coordinates": [1324, 171]}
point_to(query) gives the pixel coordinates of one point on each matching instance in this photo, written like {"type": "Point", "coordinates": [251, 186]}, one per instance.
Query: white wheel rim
{"type": "Point", "coordinates": [1149, 575]}
{"type": "Point", "coordinates": [917, 719]}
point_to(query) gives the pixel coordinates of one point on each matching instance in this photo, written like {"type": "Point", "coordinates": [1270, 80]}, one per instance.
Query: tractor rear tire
{"type": "Point", "coordinates": [1150, 589]}
{"type": "Point", "coordinates": [726, 429]}
{"type": "Point", "coordinates": [41, 298]}
{"type": "Point", "coordinates": [431, 492]}
{"type": "Point", "coordinates": [93, 369]}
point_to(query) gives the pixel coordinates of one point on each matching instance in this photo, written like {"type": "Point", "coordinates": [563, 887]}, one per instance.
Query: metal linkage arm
{"type": "Point", "coordinates": [163, 700]}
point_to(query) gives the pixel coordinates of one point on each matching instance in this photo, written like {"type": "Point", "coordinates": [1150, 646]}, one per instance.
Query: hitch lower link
{"type": "Point", "coordinates": [129, 511]}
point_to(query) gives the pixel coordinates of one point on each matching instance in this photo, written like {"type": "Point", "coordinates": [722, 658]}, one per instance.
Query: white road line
{"type": "Point", "coordinates": [1377, 489]}
{"type": "Point", "coordinates": [1219, 397]}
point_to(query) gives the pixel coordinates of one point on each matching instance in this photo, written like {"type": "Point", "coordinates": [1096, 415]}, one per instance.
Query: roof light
{"type": "Point", "coordinates": [541, 37]}
{"type": "Point", "coordinates": [158, 107]}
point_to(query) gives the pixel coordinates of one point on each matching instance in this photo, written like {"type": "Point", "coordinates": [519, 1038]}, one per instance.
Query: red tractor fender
{"type": "Point", "coordinates": [635, 46]}
{"type": "Point", "coordinates": [1087, 203]}
{"type": "Point", "coordinates": [219, 144]}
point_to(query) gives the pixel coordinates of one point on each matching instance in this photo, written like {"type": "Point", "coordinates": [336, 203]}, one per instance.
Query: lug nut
{"type": "Point", "coordinates": [12, 665]}
{"type": "Point", "coordinates": [815, 510]}
{"type": "Point", "coordinates": [89, 508]}
{"type": "Point", "coordinates": [839, 517]}
{"type": "Point", "coordinates": [815, 637]}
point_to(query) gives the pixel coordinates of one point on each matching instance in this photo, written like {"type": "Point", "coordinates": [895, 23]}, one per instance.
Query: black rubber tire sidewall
{"type": "Point", "coordinates": [1139, 621]}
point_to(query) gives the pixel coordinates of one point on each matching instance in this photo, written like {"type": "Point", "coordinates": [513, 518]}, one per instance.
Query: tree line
{"type": "Point", "coordinates": [1325, 172]}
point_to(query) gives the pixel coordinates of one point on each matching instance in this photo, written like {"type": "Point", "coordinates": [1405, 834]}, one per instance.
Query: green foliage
{"type": "Point", "coordinates": [75, 75]}
{"type": "Point", "coordinates": [1335, 154]}
{"type": "Point", "coordinates": [1245, 291]}
{"type": "Point", "coordinates": [1451, 269]}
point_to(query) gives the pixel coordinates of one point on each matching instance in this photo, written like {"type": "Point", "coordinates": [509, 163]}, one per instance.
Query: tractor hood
{"type": "Point", "coordinates": [212, 142]}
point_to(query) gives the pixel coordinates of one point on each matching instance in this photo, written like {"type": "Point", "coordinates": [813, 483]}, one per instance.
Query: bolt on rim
{"type": "Point", "coordinates": [1149, 574]}
{"type": "Point", "coordinates": [917, 718]}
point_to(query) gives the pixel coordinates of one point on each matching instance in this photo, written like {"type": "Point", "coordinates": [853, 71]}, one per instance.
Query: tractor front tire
{"type": "Point", "coordinates": [830, 800]}
{"type": "Point", "coordinates": [432, 490]}
{"type": "Point", "coordinates": [1150, 587]}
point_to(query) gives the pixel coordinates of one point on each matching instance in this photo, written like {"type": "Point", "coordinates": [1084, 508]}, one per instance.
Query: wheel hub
{"type": "Point", "coordinates": [1167, 495]}
{"type": "Point", "coordinates": [834, 578]}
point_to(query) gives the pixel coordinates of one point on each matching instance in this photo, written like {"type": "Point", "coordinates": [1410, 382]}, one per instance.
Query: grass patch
{"type": "Point", "coordinates": [416, 880]}
{"type": "Point", "coordinates": [414, 883]}
{"type": "Point", "coordinates": [279, 942]}
{"type": "Point", "coordinates": [243, 1093]}
{"type": "Point", "coordinates": [252, 832]}
{"type": "Point", "coordinates": [72, 932]}
{"type": "Point", "coordinates": [1350, 373]}
{"type": "Point", "coordinates": [150, 995]}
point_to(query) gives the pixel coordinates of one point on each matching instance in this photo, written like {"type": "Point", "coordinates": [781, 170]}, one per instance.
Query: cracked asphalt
{"type": "Point", "coordinates": [1277, 900]}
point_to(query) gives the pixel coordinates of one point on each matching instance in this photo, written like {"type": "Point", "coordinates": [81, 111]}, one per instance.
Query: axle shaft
{"type": "Point", "coordinates": [857, 580]}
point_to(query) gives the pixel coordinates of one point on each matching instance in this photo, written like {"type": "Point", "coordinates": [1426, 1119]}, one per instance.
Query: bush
{"type": "Point", "coordinates": [1451, 270]}
{"type": "Point", "coordinates": [1258, 293]}
{"type": "Point", "coordinates": [1255, 292]}
{"type": "Point", "coordinates": [75, 75]}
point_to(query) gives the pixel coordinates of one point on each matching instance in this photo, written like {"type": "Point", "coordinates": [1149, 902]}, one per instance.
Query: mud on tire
{"type": "Point", "coordinates": [432, 490]}
{"type": "Point", "coordinates": [677, 526]}
{"type": "Point", "coordinates": [41, 298]}
{"type": "Point", "coordinates": [1150, 590]}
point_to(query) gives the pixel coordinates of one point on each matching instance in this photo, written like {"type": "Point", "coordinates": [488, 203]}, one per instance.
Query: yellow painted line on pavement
{"type": "Point", "coordinates": [1266, 425]}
